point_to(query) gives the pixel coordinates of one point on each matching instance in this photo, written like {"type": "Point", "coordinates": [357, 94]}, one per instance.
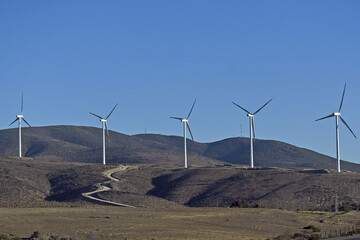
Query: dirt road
{"type": "Point", "coordinates": [105, 186]}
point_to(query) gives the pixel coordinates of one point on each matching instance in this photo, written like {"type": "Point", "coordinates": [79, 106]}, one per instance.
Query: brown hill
{"type": "Point", "coordinates": [305, 189]}
{"type": "Point", "coordinates": [27, 182]}
{"type": "Point", "coordinates": [84, 144]}
{"type": "Point", "coordinates": [267, 153]}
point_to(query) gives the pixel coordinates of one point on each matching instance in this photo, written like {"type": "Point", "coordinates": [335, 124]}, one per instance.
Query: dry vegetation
{"type": "Point", "coordinates": [104, 223]}
{"type": "Point", "coordinates": [33, 183]}
{"type": "Point", "coordinates": [292, 189]}
{"type": "Point", "coordinates": [45, 196]}
{"type": "Point", "coordinates": [83, 144]}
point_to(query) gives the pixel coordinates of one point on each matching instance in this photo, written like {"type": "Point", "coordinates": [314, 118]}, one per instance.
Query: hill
{"type": "Point", "coordinates": [304, 189]}
{"type": "Point", "coordinates": [32, 183]}
{"type": "Point", "coordinates": [27, 182]}
{"type": "Point", "coordinates": [84, 144]}
{"type": "Point", "coordinates": [267, 153]}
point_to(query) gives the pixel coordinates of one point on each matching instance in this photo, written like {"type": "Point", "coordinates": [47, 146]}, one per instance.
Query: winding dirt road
{"type": "Point", "coordinates": [105, 186]}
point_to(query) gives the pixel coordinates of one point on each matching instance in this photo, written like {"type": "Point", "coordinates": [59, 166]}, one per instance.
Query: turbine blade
{"type": "Point", "coordinates": [262, 107]}
{"type": "Point", "coordinates": [191, 109]}
{"type": "Point", "coordinates": [342, 99]}
{"type": "Point", "coordinates": [241, 108]}
{"type": "Point", "coordinates": [111, 111]}
{"type": "Point", "coordinates": [188, 126]}
{"type": "Point", "coordinates": [343, 120]}
{"type": "Point", "coordinates": [177, 118]}
{"type": "Point", "coordinates": [106, 127]}
{"type": "Point", "coordinates": [253, 127]}
{"type": "Point", "coordinates": [26, 122]}
{"type": "Point", "coordinates": [331, 115]}
{"type": "Point", "coordinates": [95, 115]}
{"type": "Point", "coordinates": [13, 121]}
{"type": "Point", "coordinates": [22, 103]}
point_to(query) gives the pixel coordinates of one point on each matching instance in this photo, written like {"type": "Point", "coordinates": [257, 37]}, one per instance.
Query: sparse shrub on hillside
{"type": "Point", "coordinates": [282, 237]}
{"type": "Point", "coordinates": [346, 207]}
{"type": "Point", "coordinates": [35, 236]}
{"type": "Point", "coordinates": [300, 236]}
{"type": "Point", "coordinates": [313, 228]}
{"type": "Point", "coordinates": [243, 204]}
{"type": "Point", "coordinates": [5, 236]}
{"type": "Point", "coordinates": [315, 237]}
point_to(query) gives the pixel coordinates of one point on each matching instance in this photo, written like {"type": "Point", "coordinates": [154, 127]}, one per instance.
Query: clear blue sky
{"type": "Point", "coordinates": [155, 57]}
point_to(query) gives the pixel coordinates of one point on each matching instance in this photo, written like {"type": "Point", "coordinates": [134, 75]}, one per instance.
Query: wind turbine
{"type": "Point", "coordinates": [104, 126]}
{"type": "Point", "coordinates": [337, 115]}
{"type": "Point", "coordinates": [18, 118]}
{"type": "Point", "coordinates": [186, 125]}
{"type": "Point", "coordinates": [252, 130]}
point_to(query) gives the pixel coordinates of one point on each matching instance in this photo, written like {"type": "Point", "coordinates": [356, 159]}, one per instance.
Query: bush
{"type": "Point", "coordinates": [5, 236]}
{"type": "Point", "coordinates": [315, 237]}
{"type": "Point", "coordinates": [243, 204]}
{"type": "Point", "coordinates": [300, 236]}
{"type": "Point", "coordinates": [35, 236]}
{"type": "Point", "coordinates": [313, 228]}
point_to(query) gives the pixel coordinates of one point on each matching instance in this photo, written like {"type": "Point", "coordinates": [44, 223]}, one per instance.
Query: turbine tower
{"type": "Point", "coordinates": [104, 126]}
{"type": "Point", "coordinates": [252, 130]}
{"type": "Point", "coordinates": [185, 121]}
{"type": "Point", "coordinates": [337, 115]}
{"type": "Point", "coordinates": [18, 118]}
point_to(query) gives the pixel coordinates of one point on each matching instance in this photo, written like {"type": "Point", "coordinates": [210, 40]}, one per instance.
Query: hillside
{"type": "Point", "coordinates": [267, 153]}
{"type": "Point", "coordinates": [27, 182]}
{"type": "Point", "coordinates": [30, 183]}
{"type": "Point", "coordinates": [292, 189]}
{"type": "Point", "coordinates": [84, 144]}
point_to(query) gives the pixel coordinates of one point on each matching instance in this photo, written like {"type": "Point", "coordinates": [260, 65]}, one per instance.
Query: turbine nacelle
{"type": "Point", "coordinates": [250, 115]}
{"type": "Point", "coordinates": [19, 116]}
{"type": "Point", "coordinates": [336, 114]}
{"type": "Point", "coordinates": [184, 120]}
{"type": "Point", "coordinates": [103, 120]}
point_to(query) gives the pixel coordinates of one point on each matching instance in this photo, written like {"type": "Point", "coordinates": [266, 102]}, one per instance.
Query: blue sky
{"type": "Point", "coordinates": [155, 57]}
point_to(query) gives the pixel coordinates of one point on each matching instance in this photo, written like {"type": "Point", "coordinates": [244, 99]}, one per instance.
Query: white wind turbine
{"type": "Point", "coordinates": [186, 125]}
{"type": "Point", "coordinates": [337, 115]}
{"type": "Point", "coordinates": [252, 130]}
{"type": "Point", "coordinates": [104, 126]}
{"type": "Point", "coordinates": [18, 118]}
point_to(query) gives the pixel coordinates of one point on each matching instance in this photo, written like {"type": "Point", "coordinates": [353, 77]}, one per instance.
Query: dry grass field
{"type": "Point", "coordinates": [105, 222]}
{"type": "Point", "coordinates": [46, 196]}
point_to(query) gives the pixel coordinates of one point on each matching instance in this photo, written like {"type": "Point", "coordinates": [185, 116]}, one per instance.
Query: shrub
{"type": "Point", "coordinates": [243, 204]}
{"type": "Point", "coordinates": [315, 237]}
{"type": "Point", "coordinates": [5, 236]}
{"type": "Point", "coordinates": [313, 228]}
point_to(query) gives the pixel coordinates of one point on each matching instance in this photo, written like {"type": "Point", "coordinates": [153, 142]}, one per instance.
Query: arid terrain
{"type": "Point", "coordinates": [172, 202]}
{"type": "Point", "coordinates": [84, 144]}
{"type": "Point", "coordinates": [106, 222]}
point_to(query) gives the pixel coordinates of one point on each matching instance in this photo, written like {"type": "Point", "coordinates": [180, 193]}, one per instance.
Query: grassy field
{"type": "Point", "coordinates": [105, 222]}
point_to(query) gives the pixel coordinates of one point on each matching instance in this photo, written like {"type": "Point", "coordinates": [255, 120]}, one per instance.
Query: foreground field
{"type": "Point", "coordinates": [105, 223]}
